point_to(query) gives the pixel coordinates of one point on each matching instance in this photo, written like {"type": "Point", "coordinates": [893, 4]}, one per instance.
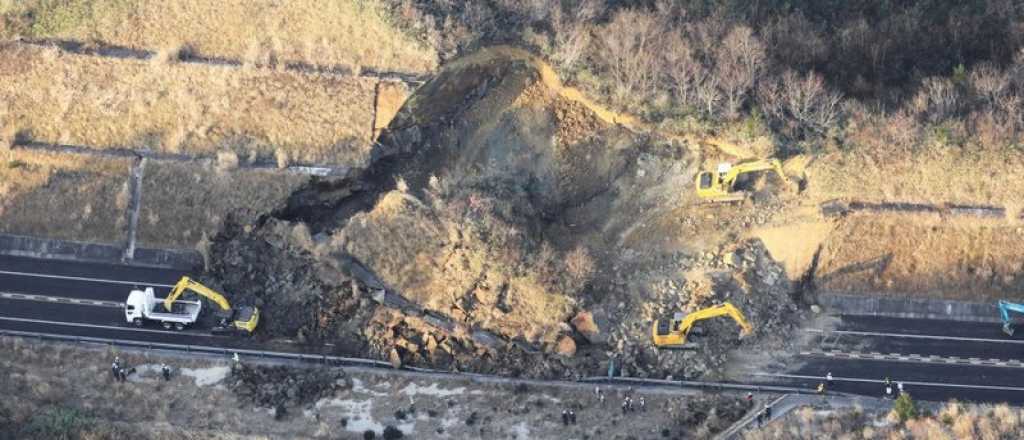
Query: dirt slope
{"type": "Point", "coordinates": [543, 231]}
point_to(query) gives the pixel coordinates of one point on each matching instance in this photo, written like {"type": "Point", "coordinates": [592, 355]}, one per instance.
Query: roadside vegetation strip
{"type": "Point", "coordinates": [255, 114]}
{"type": "Point", "coordinates": [353, 34]}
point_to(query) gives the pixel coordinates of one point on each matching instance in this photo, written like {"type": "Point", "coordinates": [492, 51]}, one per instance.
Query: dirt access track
{"type": "Point", "coordinates": [517, 228]}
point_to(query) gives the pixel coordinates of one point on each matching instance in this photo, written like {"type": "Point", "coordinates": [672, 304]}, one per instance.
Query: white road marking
{"type": "Point", "coordinates": [97, 280]}
{"type": "Point", "coordinates": [905, 382]}
{"type": "Point", "coordinates": [897, 357]}
{"type": "Point", "coordinates": [42, 298]}
{"type": "Point", "coordinates": [109, 327]}
{"type": "Point", "coordinates": [903, 335]}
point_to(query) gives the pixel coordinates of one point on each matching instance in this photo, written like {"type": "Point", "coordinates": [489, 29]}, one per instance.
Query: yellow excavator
{"type": "Point", "coordinates": [242, 319]}
{"type": "Point", "coordinates": [720, 185]}
{"type": "Point", "coordinates": [672, 333]}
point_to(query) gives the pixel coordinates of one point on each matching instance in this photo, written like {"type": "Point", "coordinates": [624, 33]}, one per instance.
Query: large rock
{"type": "Point", "coordinates": [566, 347]}
{"type": "Point", "coordinates": [589, 325]}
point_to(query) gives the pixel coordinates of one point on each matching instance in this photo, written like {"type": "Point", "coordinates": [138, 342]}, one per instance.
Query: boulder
{"type": "Point", "coordinates": [566, 347]}
{"type": "Point", "coordinates": [584, 323]}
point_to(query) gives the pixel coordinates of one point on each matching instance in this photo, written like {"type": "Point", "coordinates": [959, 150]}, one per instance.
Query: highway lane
{"type": "Point", "coordinates": [987, 330]}
{"type": "Point", "coordinates": [80, 280]}
{"type": "Point", "coordinates": [1005, 350]}
{"type": "Point", "coordinates": [927, 382]}
{"type": "Point", "coordinates": [88, 270]}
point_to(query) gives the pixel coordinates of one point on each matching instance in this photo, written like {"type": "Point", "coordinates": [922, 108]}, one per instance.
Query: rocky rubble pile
{"type": "Point", "coordinates": [287, 387]}
{"type": "Point", "coordinates": [746, 276]}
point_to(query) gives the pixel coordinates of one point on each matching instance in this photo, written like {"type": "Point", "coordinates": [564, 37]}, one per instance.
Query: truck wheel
{"type": "Point", "coordinates": [179, 326]}
{"type": "Point", "coordinates": [167, 325]}
{"type": "Point", "coordinates": [137, 322]}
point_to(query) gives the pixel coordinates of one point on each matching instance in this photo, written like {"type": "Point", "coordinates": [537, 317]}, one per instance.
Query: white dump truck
{"type": "Point", "coordinates": [143, 305]}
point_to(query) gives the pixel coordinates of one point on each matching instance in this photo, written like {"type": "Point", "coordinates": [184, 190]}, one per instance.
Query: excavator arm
{"type": "Point", "coordinates": [714, 312]}
{"type": "Point", "coordinates": [186, 283]}
{"type": "Point", "coordinates": [752, 167]}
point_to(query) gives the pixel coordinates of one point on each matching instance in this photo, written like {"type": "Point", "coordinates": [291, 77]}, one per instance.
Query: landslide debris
{"type": "Point", "coordinates": [505, 224]}
{"type": "Point", "coordinates": [282, 387]}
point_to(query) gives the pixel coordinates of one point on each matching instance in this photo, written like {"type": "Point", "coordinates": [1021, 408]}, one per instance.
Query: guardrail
{"type": "Point", "coordinates": [381, 365]}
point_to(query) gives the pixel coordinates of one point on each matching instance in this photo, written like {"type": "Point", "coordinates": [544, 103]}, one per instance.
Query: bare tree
{"type": "Point", "coordinates": [738, 62]}
{"type": "Point", "coordinates": [989, 83]}
{"type": "Point", "coordinates": [572, 33]}
{"type": "Point", "coordinates": [709, 94]}
{"type": "Point", "coordinates": [804, 100]}
{"type": "Point", "coordinates": [682, 68]}
{"type": "Point", "coordinates": [628, 50]}
{"type": "Point", "coordinates": [936, 100]}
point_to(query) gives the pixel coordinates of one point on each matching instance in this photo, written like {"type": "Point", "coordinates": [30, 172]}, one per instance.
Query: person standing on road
{"type": "Point", "coordinates": [643, 404]}
{"type": "Point", "coordinates": [828, 380]}
{"type": "Point", "coordinates": [115, 368]}
{"type": "Point", "coordinates": [625, 404]}
{"type": "Point", "coordinates": [760, 419]}
{"type": "Point", "coordinates": [166, 371]}
{"type": "Point", "coordinates": [572, 417]}
{"type": "Point", "coordinates": [768, 413]}
{"type": "Point", "coordinates": [899, 388]}
{"type": "Point", "coordinates": [600, 399]}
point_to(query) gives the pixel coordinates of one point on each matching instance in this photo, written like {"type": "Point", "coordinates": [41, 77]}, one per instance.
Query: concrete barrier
{"type": "Point", "coordinates": [37, 247]}
{"type": "Point", "coordinates": [889, 305]}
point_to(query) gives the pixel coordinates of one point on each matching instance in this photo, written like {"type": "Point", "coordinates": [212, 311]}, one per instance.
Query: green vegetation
{"type": "Point", "coordinates": [905, 407]}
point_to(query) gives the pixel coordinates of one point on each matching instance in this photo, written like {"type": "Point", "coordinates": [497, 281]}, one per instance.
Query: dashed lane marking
{"type": "Point", "coordinates": [903, 335]}
{"type": "Point", "coordinates": [42, 298]}
{"type": "Point", "coordinates": [96, 280]}
{"type": "Point", "coordinates": [897, 357]}
{"type": "Point", "coordinates": [108, 327]}
{"type": "Point", "coordinates": [905, 382]}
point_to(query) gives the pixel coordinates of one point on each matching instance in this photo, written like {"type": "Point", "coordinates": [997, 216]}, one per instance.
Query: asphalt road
{"type": "Point", "coordinates": [937, 360]}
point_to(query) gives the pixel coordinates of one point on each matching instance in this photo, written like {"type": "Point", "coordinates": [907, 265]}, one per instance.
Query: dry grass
{"type": "Point", "coordinates": [953, 421]}
{"type": "Point", "coordinates": [354, 33]}
{"type": "Point", "coordinates": [189, 108]}
{"type": "Point", "coordinates": [935, 175]}
{"type": "Point", "coordinates": [969, 259]}
{"type": "Point", "coordinates": [182, 202]}
{"type": "Point", "coordinates": [63, 196]}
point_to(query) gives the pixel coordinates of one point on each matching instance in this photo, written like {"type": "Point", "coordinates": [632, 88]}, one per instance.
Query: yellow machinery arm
{"type": "Point", "coordinates": [186, 283]}
{"type": "Point", "coordinates": [749, 167]}
{"type": "Point", "coordinates": [673, 333]}
{"type": "Point", "coordinates": [244, 318]}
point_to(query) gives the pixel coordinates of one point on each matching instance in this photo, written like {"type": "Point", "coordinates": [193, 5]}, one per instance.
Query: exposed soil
{"type": "Point", "coordinates": [498, 208]}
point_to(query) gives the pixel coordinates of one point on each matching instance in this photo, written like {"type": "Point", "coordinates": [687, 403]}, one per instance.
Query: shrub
{"type": "Point", "coordinates": [905, 408]}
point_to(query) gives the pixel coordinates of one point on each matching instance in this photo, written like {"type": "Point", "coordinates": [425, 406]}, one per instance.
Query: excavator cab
{"type": "Point", "coordinates": [672, 333]}
{"type": "Point", "coordinates": [230, 320]}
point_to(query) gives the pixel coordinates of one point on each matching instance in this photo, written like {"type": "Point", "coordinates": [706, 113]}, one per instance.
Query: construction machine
{"type": "Point", "coordinates": [672, 333]}
{"type": "Point", "coordinates": [1005, 307]}
{"type": "Point", "coordinates": [721, 185]}
{"type": "Point", "coordinates": [230, 320]}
